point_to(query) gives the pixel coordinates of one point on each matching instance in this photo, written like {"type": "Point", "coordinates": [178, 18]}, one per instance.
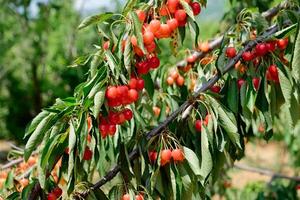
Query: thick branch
{"type": "Point", "coordinates": [266, 172]}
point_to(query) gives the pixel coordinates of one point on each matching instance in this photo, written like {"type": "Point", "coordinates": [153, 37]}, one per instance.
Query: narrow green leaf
{"type": "Point", "coordinates": [188, 9]}
{"type": "Point", "coordinates": [206, 159]}
{"type": "Point", "coordinates": [296, 58]}
{"type": "Point", "coordinates": [95, 19]}
{"type": "Point", "coordinates": [193, 161]}
{"type": "Point", "coordinates": [98, 102]}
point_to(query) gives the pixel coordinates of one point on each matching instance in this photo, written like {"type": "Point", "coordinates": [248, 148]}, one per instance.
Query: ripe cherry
{"type": "Point", "coordinates": [122, 91]}
{"type": "Point", "coordinates": [154, 25]}
{"type": "Point", "coordinates": [247, 56]}
{"type": "Point", "coordinates": [152, 156]}
{"type": "Point", "coordinates": [261, 49]}
{"type": "Point", "coordinates": [177, 155]}
{"type": "Point", "coordinates": [138, 51]}
{"type": "Point", "coordinates": [148, 37]}
{"type": "Point", "coordinates": [24, 182]}
{"type": "Point", "coordinates": [170, 80]}
{"type": "Point", "coordinates": [172, 5]}
{"type": "Point", "coordinates": [230, 52]}
{"type": "Point", "coordinates": [140, 84]}
{"type": "Point", "coordinates": [180, 81]}
{"type": "Point", "coordinates": [154, 62]}
{"type": "Point", "coordinates": [180, 15]}
{"type": "Point", "coordinates": [111, 92]}
{"type": "Point", "coordinates": [215, 89]}
{"type": "Point", "coordinates": [163, 11]}
{"type": "Point", "coordinates": [198, 125]}
{"type": "Point", "coordinates": [132, 83]}
{"type": "Point", "coordinates": [182, 23]}
{"type": "Point", "coordinates": [256, 83]}
{"type": "Point", "coordinates": [172, 23]}
{"type": "Point", "coordinates": [139, 197]}
{"type": "Point", "coordinates": [174, 74]}
{"type": "Point", "coordinates": [121, 118]}
{"type": "Point", "coordinates": [143, 67]}
{"type": "Point", "coordinates": [156, 111]}
{"type": "Point", "coordinates": [87, 154]}
{"type": "Point", "coordinates": [165, 156]}
{"type": "Point", "coordinates": [240, 83]}
{"type": "Point", "coordinates": [128, 114]}
{"type": "Point", "coordinates": [112, 129]}
{"type": "Point", "coordinates": [106, 45]}
{"type": "Point", "coordinates": [57, 191]}
{"type": "Point", "coordinates": [282, 43]}
{"type": "Point", "coordinates": [273, 73]}
{"type": "Point", "coordinates": [133, 95]}
{"type": "Point", "coordinates": [204, 47]}
{"type": "Point", "coordinates": [191, 59]}
{"type": "Point", "coordinates": [151, 47]}
{"type": "Point", "coordinates": [196, 8]}
{"type": "Point", "coordinates": [164, 30]}
{"type": "Point", "coordinates": [271, 46]}
{"type": "Point", "coordinates": [126, 197]}
{"type": "Point", "coordinates": [51, 196]}
{"type": "Point", "coordinates": [141, 15]}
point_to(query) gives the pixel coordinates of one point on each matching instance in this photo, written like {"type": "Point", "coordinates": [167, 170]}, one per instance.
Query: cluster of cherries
{"type": "Point", "coordinates": [199, 122]}
{"type": "Point", "coordinates": [166, 156]}
{"type": "Point", "coordinates": [137, 197]}
{"type": "Point", "coordinates": [54, 194]}
{"type": "Point", "coordinates": [175, 77]}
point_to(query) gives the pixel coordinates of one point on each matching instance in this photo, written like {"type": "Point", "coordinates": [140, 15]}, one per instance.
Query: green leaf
{"type": "Point", "coordinates": [80, 61]}
{"type": "Point", "coordinates": [188, 9]}
{"type": "Point", "coordinates": [232, 96]}
{"type": "Point", "coordinates": [206, 159]}
{"type": "Point", "coordinates": [129, 6]}
{"type": "Point", "coordinates": [296, 58]}
{"type": "Point", "coordinates": [98, 102]}
{"type": "Point", "coordinates": [127, 56]}
{"type": "Point", "coordinates": [137, 28]}
{"type": "Point", "coordinates": [149, 85]}
{"type": "Point", "coordinates": [35, 122]}
{"type": "Point", "coordinates": [95, 19]}
{"type": "Point", "coordinates": [112, 62]}
{"type": "Point", "coordinates": [286, 87]}
{"type": "Point", "coordinates": [193, 161]}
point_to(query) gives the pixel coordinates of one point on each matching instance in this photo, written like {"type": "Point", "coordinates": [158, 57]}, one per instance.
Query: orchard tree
{"type": "Point", "coordinates": [140, 127]}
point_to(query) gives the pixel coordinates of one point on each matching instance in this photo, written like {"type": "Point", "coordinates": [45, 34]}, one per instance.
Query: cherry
{"type": "Point", "coordinates": [165, 156]}
{"type": "Point", "coordinates": [206, 120]}
{"type": "Point", "coordinates": [177, 155]}
{"type": "Point", "coordinates": [230, 52]}
{"type": "Point", "coordinates": [57, 191]}
{"type": "Point", "coordinates": [111, 92]}
{"type": "Point", "coordinates": [180, 81]}
{"type": "Point", "coordinates": [282, 43]}
{"type": "Point", "coordinates": [261, 49]}
{"type": "Point", "coordinates": [256, 83]}
{"type": "Point", "coordinates": [154, 25]}
{"type": "Point", "coordinates": [198, 125]}
{"type": "Point", "coordinates": [240, 83]}
{"type": "Point", "coordinates": [139, 197]}
{"type": "Point", "coordinates": [261, 128]}
{"type": "Point", "coordinates": [196, 8]}
{"type": "Point", "coordinates": [174, 74]}
{"type": "Point", "coordinates": [215, 89]}
{"type": "Point", "coordinates": [122, 91]}
{"type": "Point", "coordinates": [87, 154]}
{"type": "Point", "coordinates": [271, 46]}
{"type": "Point", "coordinates": [163, 11]}
{"type": "Point", "coordinates": [143, 67]}
{"type": "Point", "coordinates": [24, 182]}
{"type": "Point", "coordinates": [133, 41]}
{"type": "Point", "coordinates": [121, 118]}
{"type": "Point", "coordinates": [180, 15]}
{"type": "Point", "coordinates": [138, 51]}
{"type": "Point", "coordinates": [152, 156]}
{"type": "Point", "coordinates": [172, 5]}
{"type": "Point", "coordinates": [151, 47]}
{"type": "Point", "coordinates": [273, 73]}
{"type": "Point", "coordinates": [156, 111]}
{"type": "Point", "coordinates": [141, 15]}
{"type": "Point", "coordinates": [154, 62]}
{"type": "Point", "coordinates": [268, 75]}
{"type": "Point", "coordinates": [128, 114]}
{"type": "Point", "coordinates": [172, 23]}
{"type": "Point", "coordinates": [164, 31]}
{"type": "Point", "coordinates": [133, 95]}
{"type": "Point", "coordinates": [191, 59]}
{"type": "Point", "coordinates": [140, 84]}
{"type": "Point", "coordinates": [148, 37]}
{"type": "Point", "coordinates": [112, 129]}
{"type": "Point", "coordinates": [126, 197]}
{"type": "Point", "coordinates": [51, 196]}
{"type": "Point", "coordinates": [106, 45]}
{"type": "Point", "coordinates": [132, 83]}
{"type": "Point", "coordinates": [247, 56]}
{"type": "Point", "coordinates": [170, 80]}
{"type": "Point", "coordinates": [182, 23]}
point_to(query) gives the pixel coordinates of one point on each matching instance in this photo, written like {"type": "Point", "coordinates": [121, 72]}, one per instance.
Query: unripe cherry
{"type": "Point", "coordinates": [87, 155]}
{"type": "Point", "coordinates": [240, 83]}
{"type": "Point", "coordinates": [247, 56]}
{"type": "Point", "coordinates": [138, 51]}
{"type": "Point", "coordinates": [172, 23]}
{"type": "Point", "coordinates": [140, 84]}
{"type": "Point", "coordinates": [156, 111]}
{"type": "Point", "coordinates": [165, 156]}
{"type": "Point", "coordinates": [148, 37]}
{"type": "Point", "coordinates": [198, 125]}
{"type": "Point", "coordinates": [172, 5]}
{"type": "Point", "coordinates": [191, 59]}
{"type": "Point", "coordinates": [180, 81]}
{"type": "Point", "coordinates": [126, 197]}
{"type": "Point", "coordinates": [230, 52]}
{"type": "Point", "coordinates": [196, 8]}
{"type": "Point", "coordinates": [106, 45]}
{"type": "Point", "coordinates": [174, 74]}
{"type": "Point", "coordinates": [170, 80]}
{"type": "Point", "coordinates": [128, 114]}
{"type": "Point", "coordinates": [180, 15]}
{"type": "Point", "coordinates": [139, 197]}
{"type": "Point", "coordinates": [154, 25]}
{"type": "Point", "coordinates": [177, 155]}
{"type": "Point", "coordinates": [206, 120]}
{"type": "Point", "coordinates": [141, 15]}
{"type": "Point", "coordinates": [256, 83]}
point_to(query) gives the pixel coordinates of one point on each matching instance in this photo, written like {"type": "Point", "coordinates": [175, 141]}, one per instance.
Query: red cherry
{"type": "Point", "coordinates": [215, 89]}
{"type": "Point", "coordinates": [111, 92]}
{"type": "Point", "coordinates": [139, 197]}
{"type": "Point", "coordinates": [141, 15]}
{"type": "Point", "coordinates": [198, 125]}
{"type": "Point", "coordinates": [112, 129]}
{"type": "Point", "coordinates": [106, 45]}
{"type": "Point", "coordinates": [154, 62]}
{"type": "Point", "coordinates": [191, 59]}
{"type": "Point", "coordinates": [230, 52]}
{"type": "Point", "coordinates": [172, 23]}
{"type": "Point", "coordinates": [57, 192]}
{"type": "Point", "coordinates": [122, 91]}
{"type": "Point", "coordinates": [164, 31]}
{"type": "Point", "coordinates": [148, 37]}
{"type": "Point", "coordinates": [138, 51]}
{"type": "Point", "coordinates": [154, 25]}
{"type": "Point", "coordinates": [142, 67]}
{"type": "Point", "coordinates": [152, 156]}
{"type": "Point", "coordinates": [140, 84]}
{"type": "Point", "coordinates": [87, 154]}
{"type": "Point", "coordinates": [180, 81]}
{"type": "Point", "coordinates": [133, 41]}
{"type": "Point", "coordinates": [271, 46]}
{"type": "Point", "coordinates": [165, 157]}
{"type": "Point", "coordinates": [182, 23]}
{"type": "Point", "coordinates": [273, 73]}
{"type": "Point", "coordinates": [282, 43]}
{"type": "Point", "coordinates": [247, 56]}
{"type": "Point", "coordinates": [196, 8]}
{"type": "Point", "coordinates": [163, 11]}
{"type": "Point", "coordinates": [177, 155]}
{"type": "Point", "coordinates": [121, 118]}
{"type": "Point", "coordinates": [172, 5]}
{"type": "Point", "coordinates": [113, 117]}
{"type": "Point", "coordinates": [126, 197]}
{"type": "Point", "coordinates": [180, 15]}
{"type": "Point", "coordinates": [261, 49]}
{"type": "Point", "coordinates": [128, 114]}
{"type": "Point", "coordinates": [132, 83]}
{"type": "Point", "coordinates": [51, 196]}
{"type": "Point", "coordinates": [240, 83]}
{"type": "Point", "coordinates": [133, 95]}
{"type": "Point", "coordinates": [256, 83]}
{"type": "Point", "coordinates": [151, 47]}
